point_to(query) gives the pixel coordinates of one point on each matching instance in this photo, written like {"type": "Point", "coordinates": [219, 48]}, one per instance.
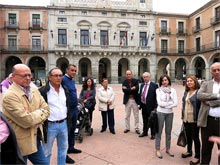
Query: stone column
{"type": "Point", "coordinates": [114, 70]}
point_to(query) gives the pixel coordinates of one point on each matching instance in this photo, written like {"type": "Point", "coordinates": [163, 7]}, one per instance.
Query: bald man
{"type": "Point", "coordinates": [26, 110]}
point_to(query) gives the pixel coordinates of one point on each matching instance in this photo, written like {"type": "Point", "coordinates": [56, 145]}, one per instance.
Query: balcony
{"type": "Point", "coordinates": [165, 31]}
{"type": "Point", "coordinates": [12, 25]}
{"type": "Point", "coordinates": [35, 26]}
{"type": "Point", "coordinates": [181, 32]}
{"type": "Point", "coordinates": [215, 20]}
{"type": "Point", "coordinates": [196, 28]}
{"type": "Point", "coordinates": [22, 48]}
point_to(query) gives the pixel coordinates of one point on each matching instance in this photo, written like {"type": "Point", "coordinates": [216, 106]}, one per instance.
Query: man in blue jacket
{"type": "Point", "coordinates": [69, 81]}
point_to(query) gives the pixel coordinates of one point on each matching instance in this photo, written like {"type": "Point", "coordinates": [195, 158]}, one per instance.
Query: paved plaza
{"type": "Point", "coordinates": [127, 149]}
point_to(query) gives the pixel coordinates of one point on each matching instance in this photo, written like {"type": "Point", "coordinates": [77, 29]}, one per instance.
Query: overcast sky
{"type": "Point", "coordinates": [171, 6]}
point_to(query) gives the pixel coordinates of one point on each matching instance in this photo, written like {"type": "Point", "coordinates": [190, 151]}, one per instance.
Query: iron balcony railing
{"type": "Point", "coordinates": [181, 32]}
{"type": "Point", "coordinates": [196, 28]}
{"type": "Point", "coordinates": [11, 25]}
{"type": "Point", "coordinates": [165, 31]}
{"type": "Point", "coordinates": [9, 48]}
{"type": "Point", "coordinates": [215, 20]}
{"type": "Point", "coordinates": [36, 25]}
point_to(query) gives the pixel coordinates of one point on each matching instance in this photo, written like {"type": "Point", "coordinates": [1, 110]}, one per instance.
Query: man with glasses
{"type": "Point", "coordinates": [69, 81]}
{"type": "Point", "coordinates": [57, 97]}
{"type": "Point", "coordinates": [26, 110]}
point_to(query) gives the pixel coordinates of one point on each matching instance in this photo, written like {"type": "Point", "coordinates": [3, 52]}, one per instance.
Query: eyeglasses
{"type": "Point", "coordinates": [24, 75]}
{"type": "Point", "coordinates": [56, 75]}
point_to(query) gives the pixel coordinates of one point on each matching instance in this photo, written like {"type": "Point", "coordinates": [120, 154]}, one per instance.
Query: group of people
{"type": "Point", "coordinates": [38, 117]}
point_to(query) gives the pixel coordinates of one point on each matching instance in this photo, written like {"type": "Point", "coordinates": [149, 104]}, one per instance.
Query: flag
{"type": "Point", "coordinates": [123, 40]}
{"type": "Point", "coordinates": [147, 39]}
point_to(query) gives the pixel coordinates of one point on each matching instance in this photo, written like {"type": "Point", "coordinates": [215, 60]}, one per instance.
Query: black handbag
{"type": "Point", "coordinates": [182, 141]}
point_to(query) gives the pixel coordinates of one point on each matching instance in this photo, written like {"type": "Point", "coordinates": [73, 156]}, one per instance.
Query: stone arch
{"type": "Point", "coordinates": [62, 63]}
{"type": "Point", "coordinates": [85, 68]}
{"type": "Point", "coordinates": [104, 24]}
{"type": "Point", "coordinates": [84, 23]}
{"type": "Point", "coordinates": [123, 65]}
{"type": "Point", "coordinates": [199, 66]}
{"type": "Point", "coordinates": [214, 58]}
{"type": "Point", "coordinates": [104, 69]}
{"type": "Point", "coordinates": [143, 66]}
{"type": "Point", "coordinates": [10, 62]}
{"type": "Point", "coordinates": [124, 25]}
{"type": "Point", "coordinates": [38, 68]}
{"type": "Point", "coordinates": [164, 67]}
{"type": "Point", "coordinates": [180, 69]}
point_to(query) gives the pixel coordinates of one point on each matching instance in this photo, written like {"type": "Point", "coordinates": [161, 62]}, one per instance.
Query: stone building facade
{"type": "Point", "coordinates": [104, 38]}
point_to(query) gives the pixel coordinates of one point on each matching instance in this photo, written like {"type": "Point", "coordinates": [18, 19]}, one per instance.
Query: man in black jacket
{"type": "Point", "coordinates": [57, 97]}
{"type": "Point", "coordinates": [130, 88]}
{"type": "Point", "coordinates": [147, 102]}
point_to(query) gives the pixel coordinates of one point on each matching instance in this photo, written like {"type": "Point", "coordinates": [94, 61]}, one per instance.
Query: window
{"type": "Point", "coordinates": [180, 46]}
{"type": "Point", "coordinates": [164, 26]}
{"type": "Point", "coordinates": [61, 12]}
{"type": "Point", "coordinates": [12, 19]}
{"type": "Point", "coordinates": [61, 19]}
{"type": "Point", "coordinates": [104, 37]}
{"type": "Point", "coordinates": [123, 38]}
{"type": "Point", "coordinates": [198, 44]}
{"type": "Point", "coordinates": [142, 23]}
{"type": "Point", "coordinates": [142, 1]}
{"type": "Point", "coordinates": [104, 13]}
{"type": "Point", "coordinates": [217, 38]}
{"type": "Point", "coordinates": [180, 27]}
{"type": "Point", "coordinates": [62, 37]}
{"type": "Point", "coordinates": [84, 37]}
{"type": "Point", "coordinates": [12, 42]}
{"type": "Point", "coordinates": [123, 14]}
{"type": "Point", "coordinates": [198, 23]}
{"type": "Point", "coordinates": [36, 43]}
{"type": "Point", "coordinates": [84, 12]}
{"type": "Point", "coordinates": [163, 46]}
{"type": "Point", "coordinates": [143, 40]}
{"type": "Point", "coordinates": [217, 13]}
{"type": "Point", "coordinates": [36, 20]}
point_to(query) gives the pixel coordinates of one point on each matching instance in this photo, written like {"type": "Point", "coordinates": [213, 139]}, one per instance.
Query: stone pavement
{"type": "Point", "coordinates": [127, 149]}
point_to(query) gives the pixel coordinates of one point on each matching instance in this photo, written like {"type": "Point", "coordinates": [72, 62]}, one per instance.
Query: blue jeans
{"type": "Point", "coordinates": [37, 157]}
{"type": "Point", "coordinates": [57, 131]}
{"type": "Point", "coordinates": [71, 133]}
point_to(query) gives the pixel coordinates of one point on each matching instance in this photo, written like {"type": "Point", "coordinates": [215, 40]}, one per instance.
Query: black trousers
{"type": "Point", "coordinates": [212, 129]}
{"type": "Point", "coordinates": [145, 117]}
{"type": "Point", "coordinates": [108, 115]}
{"type": "Point", "coordinates": [192, 135]}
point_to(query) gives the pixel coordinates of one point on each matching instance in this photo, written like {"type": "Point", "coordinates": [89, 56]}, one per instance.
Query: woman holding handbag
{"type": "Point", "coordinates": [190, 110]}
{"type": "Point", "coordinates": [88, 94]}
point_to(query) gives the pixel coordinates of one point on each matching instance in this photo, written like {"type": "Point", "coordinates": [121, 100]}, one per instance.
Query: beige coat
{"type": "Point", "coordinates": [104, 96]}
{"type": "Point", "coordinates": [205, 94]}
{"type": "Point", "coordinates": [25, 116]}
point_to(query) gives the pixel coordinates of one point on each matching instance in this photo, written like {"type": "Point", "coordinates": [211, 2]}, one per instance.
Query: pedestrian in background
{"type": "Point", "coordinates": [6, 83]}
{"type": "Point", "coordinates": [106, 97]}
{"type": "Point", "coordinates": [56, 127]}
{"type": "Point", "coordinates": [88, 94]}
{"type": "Point", "coordinates": [166, 100]}
{"type": "Point", "coordinates": [190, 111]}
{"type": "Point", "coordinates": [209, 114]}
{"type": "Point", "coordinates": [130, 88]}
{"type": "Point", "coordinates": [26, 110]}
{"type": "Point", "coordinates": [69, 81]}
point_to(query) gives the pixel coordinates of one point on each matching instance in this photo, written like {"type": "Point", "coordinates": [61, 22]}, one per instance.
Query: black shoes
{"type": "Point", "coordinates": [103, 130]}
{"type": "Point", "coordinates": [69, 160]}
{"type": "Point", "coordinates": [143, 134]}
{"type": "Point", "coordinates": [170, 154]}
{"type": "Point", "coordinates": [137, 131]}
{"type": "Point", "coordinates": [194, 163]}
{"type": "Point", "coordinates": [126, 130]}
{"type": "Point", "coordinates": [152, 137]}
{"type": "Point", "coordinates": [159, 155]}
{"type": "Point", "coordinates": [73, 151]}
{"type": "Point", "coordinates": [187, 154]}
{"type": "Point", "coordinates": [113, 132]}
